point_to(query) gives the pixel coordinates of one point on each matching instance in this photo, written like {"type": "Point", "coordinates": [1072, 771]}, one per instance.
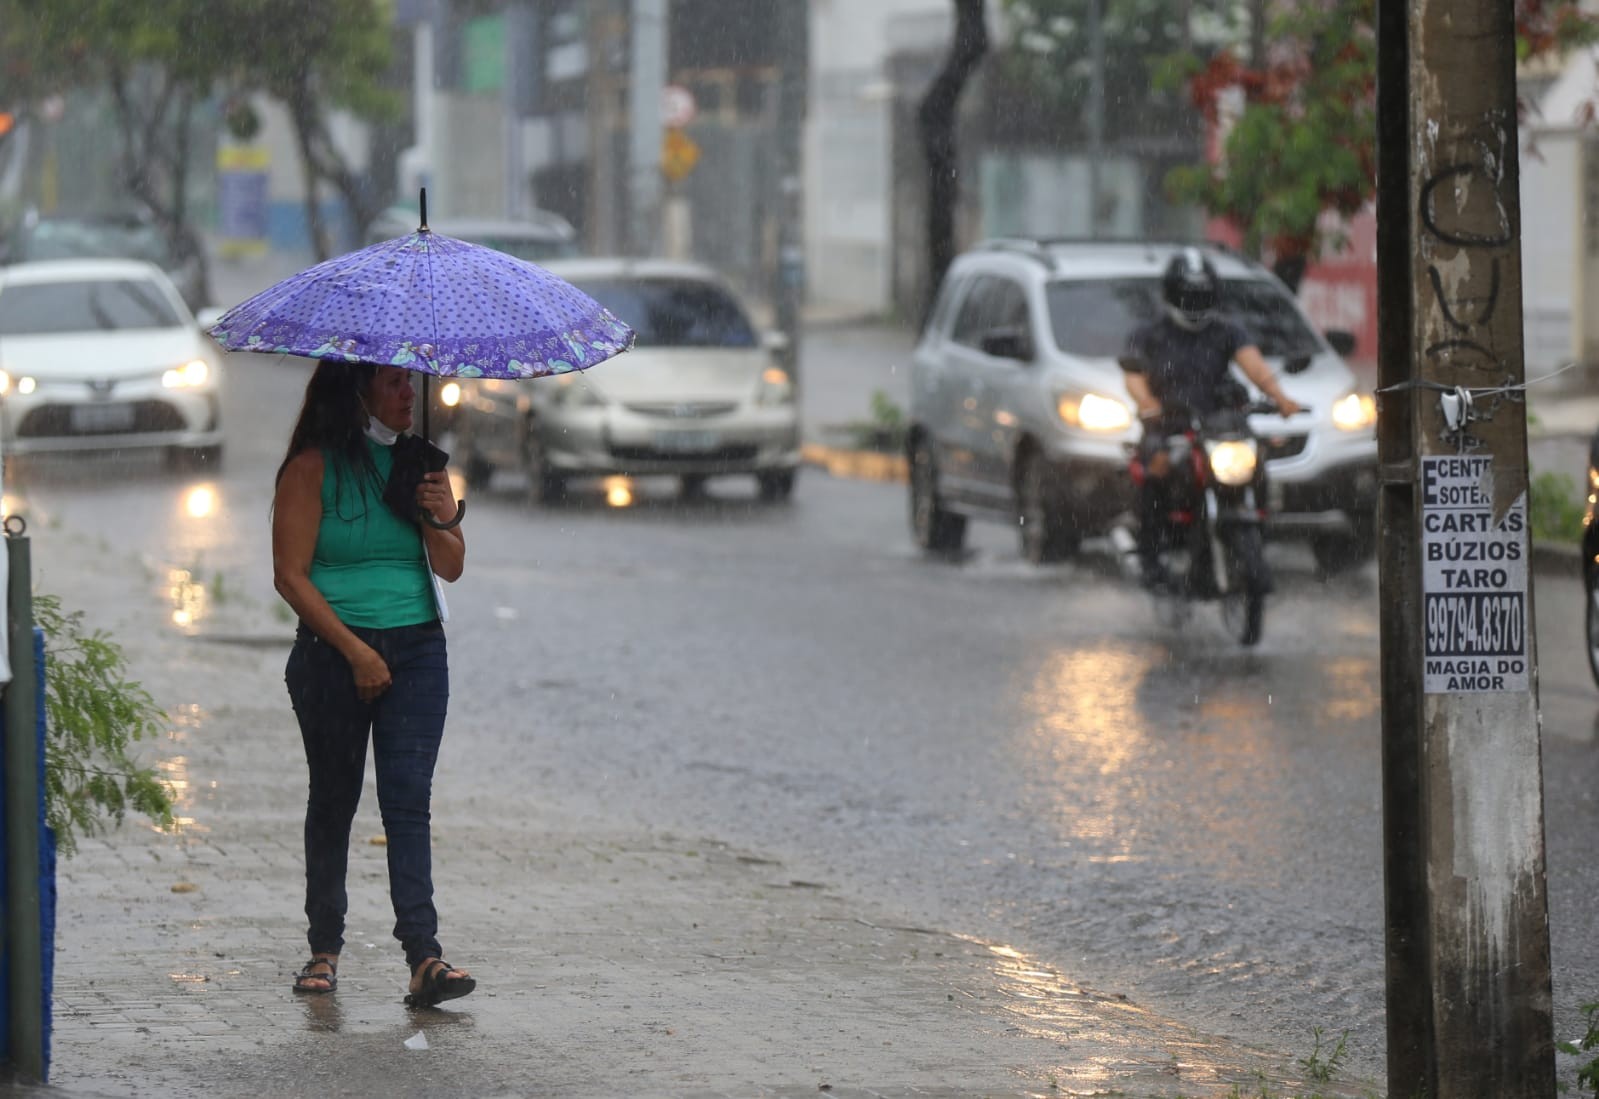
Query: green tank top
{"type": "Point", "coordinates": [368, 562]}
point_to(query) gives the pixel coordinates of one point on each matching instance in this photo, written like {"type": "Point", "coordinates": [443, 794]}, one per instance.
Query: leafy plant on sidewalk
{"type": "Point", "coordinates": [93, 716]}
{"type": "Point", "coordinates": [1556, 510]}
{"type": "Point", "coordinates": [884, 431]}
{"type": "Point", "coordinates": [1587, 1074]}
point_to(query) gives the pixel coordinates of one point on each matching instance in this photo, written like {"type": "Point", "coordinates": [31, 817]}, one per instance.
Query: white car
{"type": "Point", "coordinates": [105, 355]}
{"type": "Point", "coordinates": [1020, 410]}
{"type": "Point", "coordinates": [700, 394]}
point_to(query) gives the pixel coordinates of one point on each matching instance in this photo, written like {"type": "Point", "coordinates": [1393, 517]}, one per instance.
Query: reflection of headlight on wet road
{"type": "Point", "coordinates": [618, 492]}
{"type": "Point", "coordinates": [200, 502]}
{"type": "Point", "coordinates": [450, 395]}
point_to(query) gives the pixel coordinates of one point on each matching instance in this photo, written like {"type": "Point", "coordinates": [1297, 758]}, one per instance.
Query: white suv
{"type": "Point", "coordinates": [1019, 410]}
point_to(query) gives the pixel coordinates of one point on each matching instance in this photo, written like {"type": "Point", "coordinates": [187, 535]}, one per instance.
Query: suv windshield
{"type": "Point", "coordinates": [673, 312]}
{"type": "Point", "coordinates": [47, 308]}
{"type": "Point", "coordinates": [1094, 319]}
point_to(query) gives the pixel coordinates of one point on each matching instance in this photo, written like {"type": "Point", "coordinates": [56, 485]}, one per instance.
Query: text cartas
{"type": "Point", "coordinates": [1474, 580]}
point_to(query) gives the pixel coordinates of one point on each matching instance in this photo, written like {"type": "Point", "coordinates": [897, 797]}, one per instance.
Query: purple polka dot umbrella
{"type": "Point", "coordinates": [429, 303]}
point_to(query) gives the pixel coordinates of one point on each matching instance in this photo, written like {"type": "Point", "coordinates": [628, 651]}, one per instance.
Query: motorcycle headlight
{"type": "Point", "coordinates": [450, 394]}
{"type": "Point", "coordinates": [1232, 461]}
{"type": "Point", "coordinates": [1354, 412]}
{"type": "Point", "coordinates": [192, 373]}
{"type": "Point", "coordinates": [1093, 412]}
{"type": "Point", "coordinates": [776, 387]}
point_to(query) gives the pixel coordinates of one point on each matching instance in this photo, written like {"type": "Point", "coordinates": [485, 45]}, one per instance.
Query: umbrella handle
{"type": "Point", "coordinates": [460, 512]}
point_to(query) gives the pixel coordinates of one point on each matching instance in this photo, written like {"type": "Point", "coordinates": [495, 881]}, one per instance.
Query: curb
{"type": "Point", "coordinates": [864, 465]}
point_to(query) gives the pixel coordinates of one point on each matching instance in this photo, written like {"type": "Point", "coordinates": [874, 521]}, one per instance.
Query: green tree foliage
{"type": "Point", "coordinates": [324, 54]}
{"type": "Point", "coordinates": [1305, 140]}
{"type": "Point", "coordinates": [93, 716]}
{"type": "Point", "coordinates": [159, 60]}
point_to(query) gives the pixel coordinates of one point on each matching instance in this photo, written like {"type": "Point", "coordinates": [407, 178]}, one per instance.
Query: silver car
{"type": "Point", "coordinates": [1020, 410]}
{"type": "Point", "coordinates": [700, 395]}
{"type": "Point", "coordinates": [104, 355]}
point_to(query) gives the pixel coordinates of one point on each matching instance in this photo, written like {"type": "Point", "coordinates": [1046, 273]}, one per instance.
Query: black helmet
{"type": "Point", "coordinates": [1189, 288]}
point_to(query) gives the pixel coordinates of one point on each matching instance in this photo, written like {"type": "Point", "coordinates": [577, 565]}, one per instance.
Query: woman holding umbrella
{"type": "Point", "coordinates": [369, 659]}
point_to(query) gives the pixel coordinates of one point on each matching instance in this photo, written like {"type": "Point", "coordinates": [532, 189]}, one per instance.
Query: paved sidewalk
{"type": "Point", "coordinates": [610, 961]}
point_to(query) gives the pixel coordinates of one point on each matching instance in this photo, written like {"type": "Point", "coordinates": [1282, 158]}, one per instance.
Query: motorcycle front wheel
{"type": "Point", "coordinates": [1243, 603]}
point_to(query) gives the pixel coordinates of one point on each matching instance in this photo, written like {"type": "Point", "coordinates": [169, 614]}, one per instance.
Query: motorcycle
{"type": "Point", "coordinates": [1213, 526]}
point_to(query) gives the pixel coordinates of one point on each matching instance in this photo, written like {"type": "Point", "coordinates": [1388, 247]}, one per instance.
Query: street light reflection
{"type": "Point", "coordinates": [1353, 693]}
{"type": "Point", "coordinates": [188, 598]}
{"type": "Point", "coordinates": [1084, 702]}
{"type": "Point", "coordinates": [174, 770]}
{"type": "Point", "coordinates": [1045, 1004]}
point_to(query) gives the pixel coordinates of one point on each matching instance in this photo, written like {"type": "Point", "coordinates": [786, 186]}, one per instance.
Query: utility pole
{"type": "Point", "coordinates": [1469, 1001]}
{"type": "Point", "coordinates": [607, 30]}
{"type": "Point", "coordinates": [1096, 110]}
{"type": "Point", "coordinates": [523, 60]}
{"type": "Point", "coordinates": [793, 37]}
{"type": "Point", "coordinates": [646, 79]}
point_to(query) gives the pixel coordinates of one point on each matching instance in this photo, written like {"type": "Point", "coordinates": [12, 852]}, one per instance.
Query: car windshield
{"type": "Point", "coordinates": [89, 305]}
{"type": "Point", "coordinates": [1095, 318]}
{"type": "Point", "coordinates": [674, 312]}
{"type": "Point", "coordinates": [66, 238]}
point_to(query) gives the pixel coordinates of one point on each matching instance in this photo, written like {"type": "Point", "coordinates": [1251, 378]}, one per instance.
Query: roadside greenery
{"type": "Point", "coordinates": [1556, 509]}
{"type": "Point", "coordinates": [884, 431]}
{"type": "Point", "coordinates": [1587, 1073]}
{"type": "Point", "coordinates": [163, 65]}
{"type": "Point", "coordinates": [1304, 141]}
{"type": "Point", "coordinates": [93, 716]}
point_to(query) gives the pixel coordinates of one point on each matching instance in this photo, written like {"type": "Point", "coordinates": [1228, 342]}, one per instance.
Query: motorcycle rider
{"type": "Point", "coordinates": [1184, 357]}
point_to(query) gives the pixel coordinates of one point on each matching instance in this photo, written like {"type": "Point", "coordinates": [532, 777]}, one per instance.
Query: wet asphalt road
{"type": "Point", "coordinates": [1008, 752]}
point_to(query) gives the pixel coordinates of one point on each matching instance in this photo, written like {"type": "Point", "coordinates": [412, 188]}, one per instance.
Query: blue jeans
{"type": "Point", "coordinates": [405, 724]}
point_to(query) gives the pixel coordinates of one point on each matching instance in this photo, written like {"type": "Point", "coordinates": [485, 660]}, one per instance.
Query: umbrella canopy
{"type": "Point", "coordinates": [430, 303]}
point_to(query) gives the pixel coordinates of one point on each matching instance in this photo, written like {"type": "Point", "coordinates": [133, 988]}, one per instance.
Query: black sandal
{"type": "Point", "coordinates": [306, 974]}
{"type": "Point", "coordinates": [437, 984]}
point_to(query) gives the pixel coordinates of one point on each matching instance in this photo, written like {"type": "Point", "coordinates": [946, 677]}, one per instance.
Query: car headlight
{"type": "Point", "coordinates": [1354, 412]}
{"type": "Point", "coordinates": [776, 387]}
{"type": "Point", "coordinates": [192, 373]}
{"type": "Point", "coordinates": [1232, 460]}
{"type": "Point", "coordinates": [450, 394]}
{"type": "Point", "coordinates": [1093, 412]}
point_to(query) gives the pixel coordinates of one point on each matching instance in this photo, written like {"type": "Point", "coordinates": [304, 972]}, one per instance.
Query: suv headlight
{"type": "Point", "coordinates": [1354, 412]}
{"type": "Point", "coordinates": [192, 373]}
{"type": "Point", "coordinates": [1232, 460]}
{"type": "Point", "coordinates": [776, 387]}
{"type": "Point", "coordinates": [1093, 412]}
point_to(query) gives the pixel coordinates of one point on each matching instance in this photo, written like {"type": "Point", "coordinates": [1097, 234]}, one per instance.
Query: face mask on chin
{"type": "Point", "coordinates": [378, 431]}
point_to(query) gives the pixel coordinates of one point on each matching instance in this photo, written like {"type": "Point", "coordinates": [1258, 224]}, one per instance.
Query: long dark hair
{"type": "Point", "coordinates": [333, 419]}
